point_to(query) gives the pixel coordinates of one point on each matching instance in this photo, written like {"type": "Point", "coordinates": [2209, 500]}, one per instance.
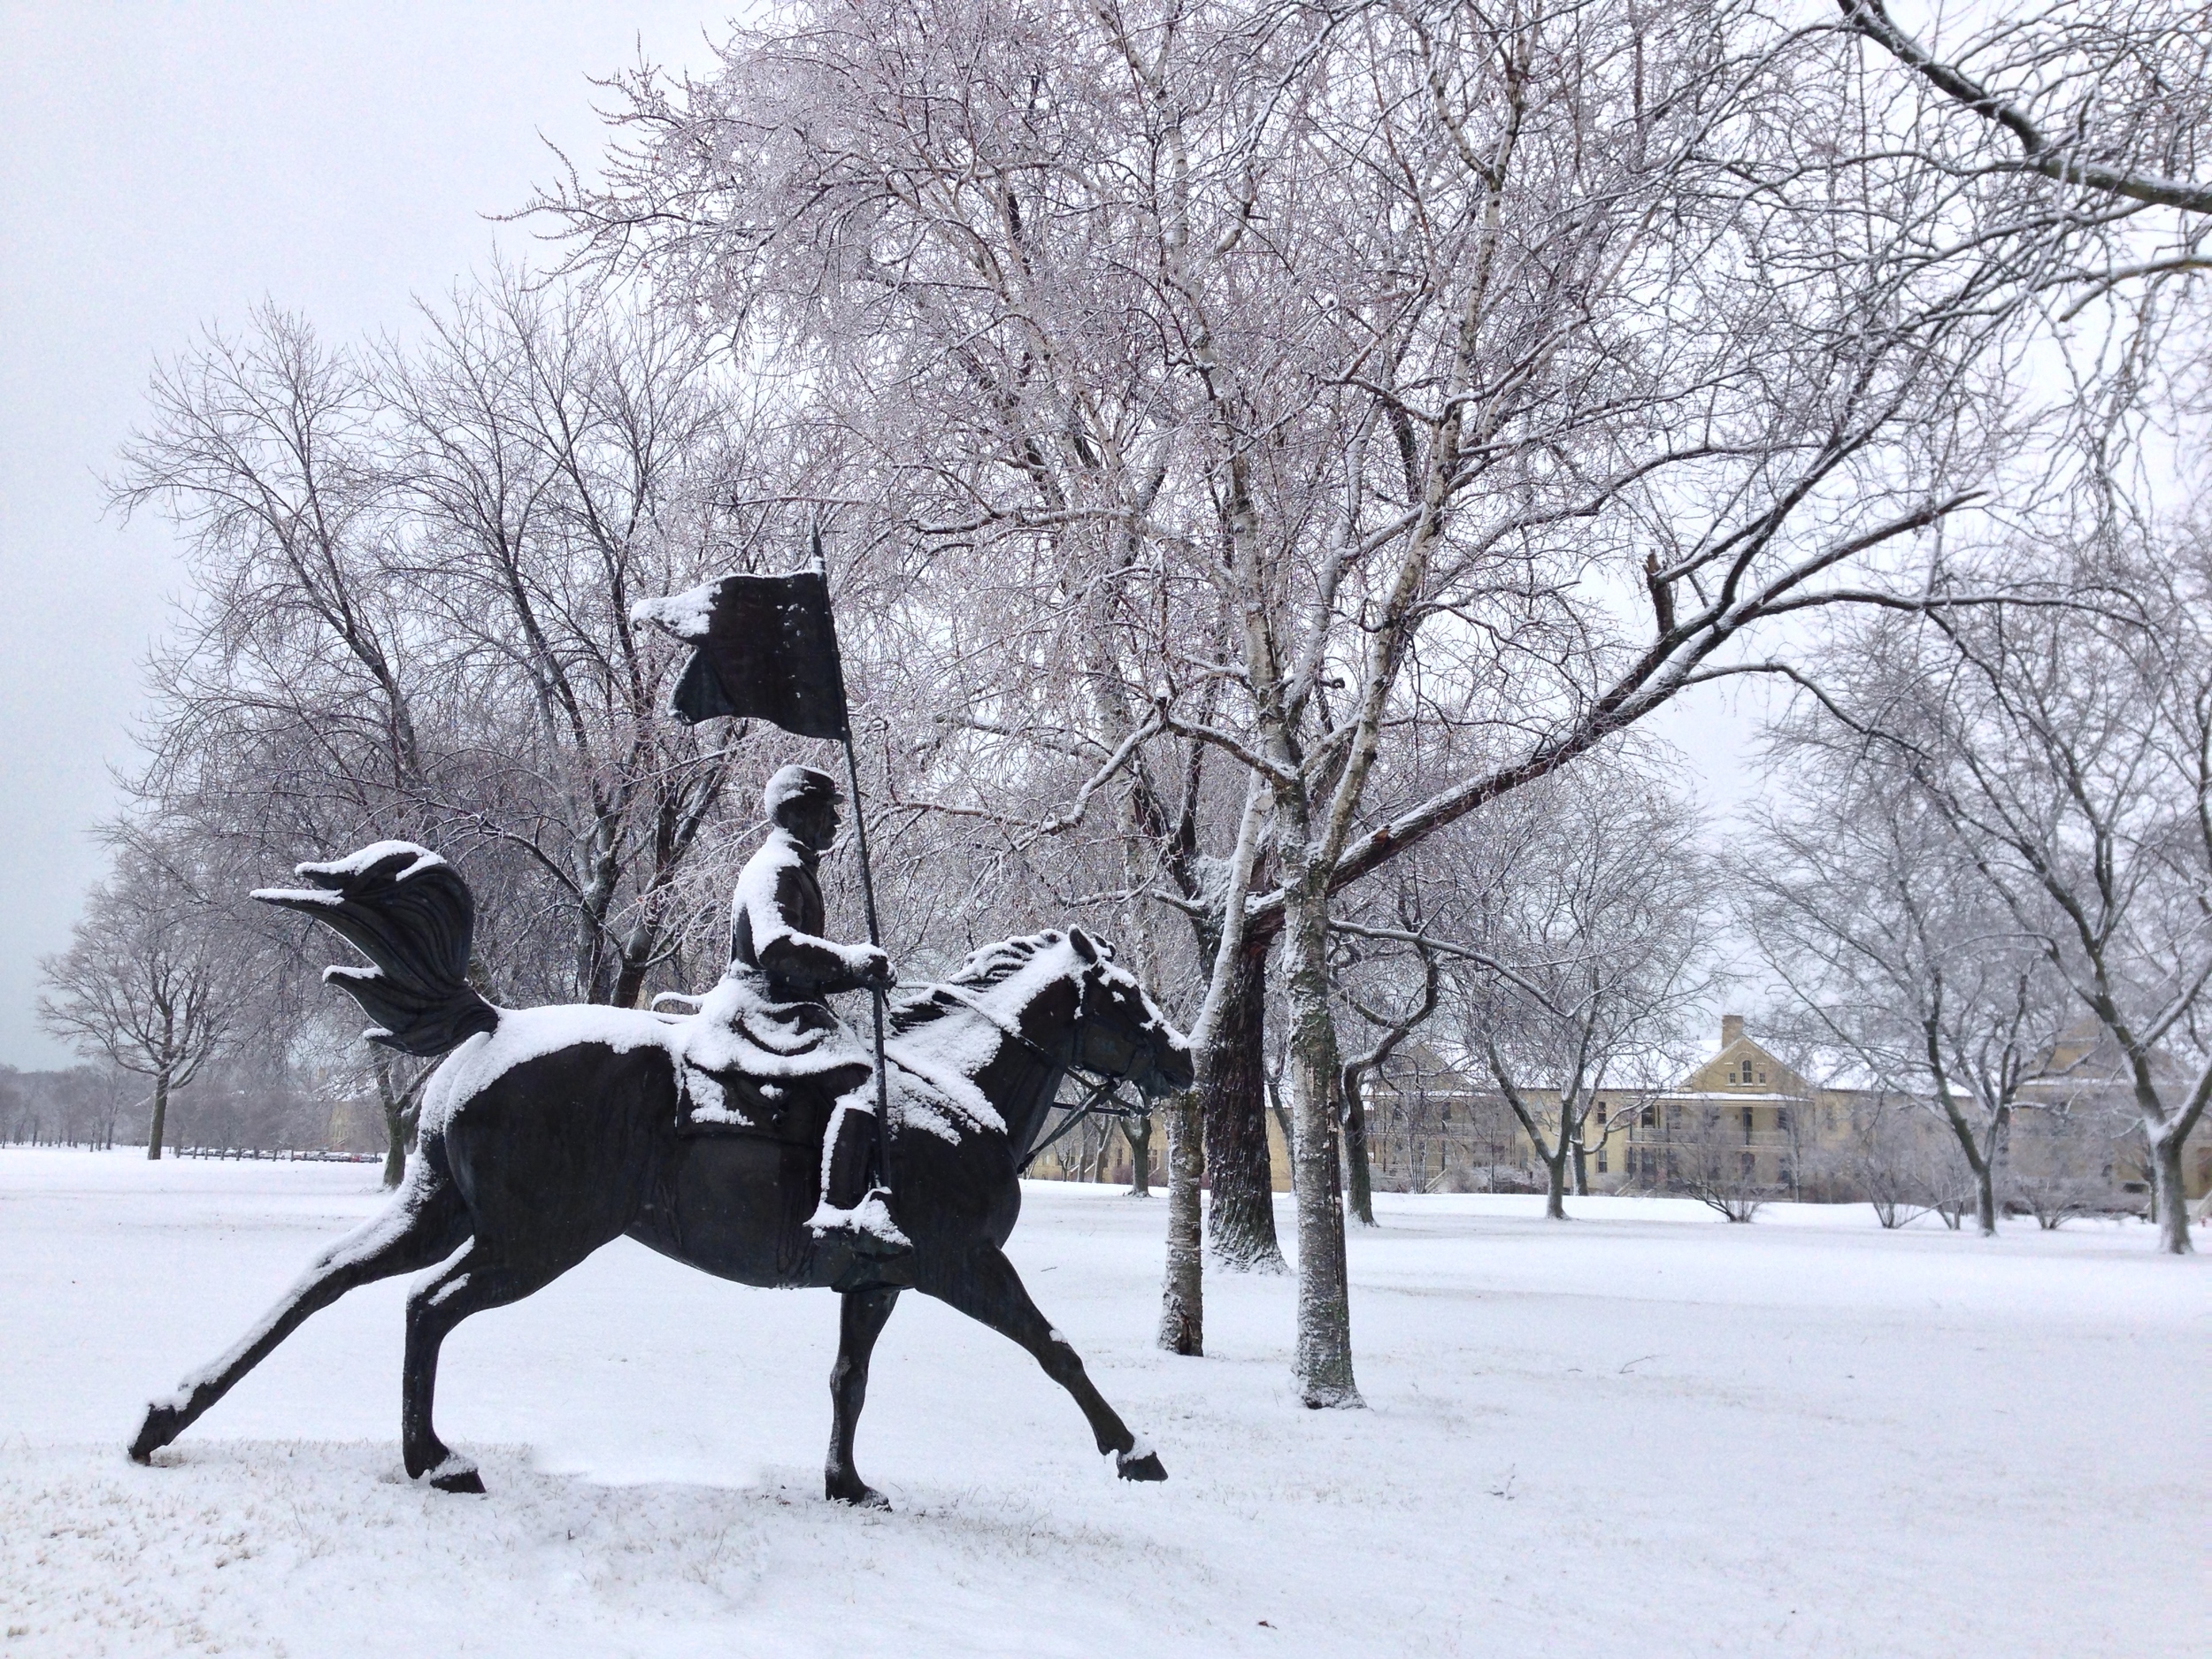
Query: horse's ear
{"type": "Point", "coordinates": [1084, 947]}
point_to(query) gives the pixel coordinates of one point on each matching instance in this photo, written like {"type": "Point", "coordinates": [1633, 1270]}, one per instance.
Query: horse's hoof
{"type": "Point", "coordinates": [1139, 1464]}
{"type": "Point", "coordinates": [457, 1474]}
{"type": "Point", "coordinates": [159, 1428]}
{"type": "Point", "coordinates": [859, 1494]}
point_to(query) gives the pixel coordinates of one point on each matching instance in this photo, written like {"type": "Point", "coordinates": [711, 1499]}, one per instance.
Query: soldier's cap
{"type": "Point", "coordinates": [793, 784]}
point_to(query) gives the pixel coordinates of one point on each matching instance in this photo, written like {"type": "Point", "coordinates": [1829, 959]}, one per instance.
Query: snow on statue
{"type": "Point", "coordinates": [768, 1013]}
{"type": "Point", "coordinates": [547, 1133]}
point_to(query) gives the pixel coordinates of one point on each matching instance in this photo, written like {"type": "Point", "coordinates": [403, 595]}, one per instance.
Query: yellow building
{"type": "Point", "coordinates": [1741, 1115]}
{"type": "Point", "coordinates": [1741, 1119]}
{"type": "Point", "coordinates": [1744, 1116]}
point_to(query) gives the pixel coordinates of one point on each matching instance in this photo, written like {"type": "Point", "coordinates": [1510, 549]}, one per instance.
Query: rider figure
{"type": "Point", "coordinates": [776, 925]}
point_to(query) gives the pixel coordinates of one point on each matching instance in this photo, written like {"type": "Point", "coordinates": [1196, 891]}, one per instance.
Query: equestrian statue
{"type": "Point", "coordinates": [756, 1137]}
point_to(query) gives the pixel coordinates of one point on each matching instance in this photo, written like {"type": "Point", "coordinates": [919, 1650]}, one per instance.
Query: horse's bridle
{"type": "Point", "coordinates": [1104, 1098]}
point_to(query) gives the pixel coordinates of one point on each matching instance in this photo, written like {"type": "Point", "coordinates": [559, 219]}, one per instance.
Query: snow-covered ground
{"type": "Point", "coordinates": [1644, 1432]}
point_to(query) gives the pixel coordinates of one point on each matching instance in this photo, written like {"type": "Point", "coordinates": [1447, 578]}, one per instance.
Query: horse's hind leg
{"type": "Point", "coordinates": [475, 1280]}
{"type": "Point", "coordinates": [426, 1222]}
{"type": "Point", "coordinates": [989, 1290]}
{"type": "Point", "coordinates": [860, 1321]}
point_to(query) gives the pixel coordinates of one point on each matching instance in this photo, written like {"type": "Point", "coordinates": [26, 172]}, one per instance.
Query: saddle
{"type": "Point", "coordinates": [734, 1103]}
{"type": "Point", "coordinates": [748, 1064]}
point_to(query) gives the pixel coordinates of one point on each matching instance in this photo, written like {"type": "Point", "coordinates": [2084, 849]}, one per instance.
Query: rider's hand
{"type": "Point", "coordinates": [873, 968]}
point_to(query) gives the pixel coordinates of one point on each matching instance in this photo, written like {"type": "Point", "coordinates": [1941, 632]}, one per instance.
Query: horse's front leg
{"type": "Point", "coordinates": [860, 1321]}
{"type": "Point", "coordinates": [985, 1287]}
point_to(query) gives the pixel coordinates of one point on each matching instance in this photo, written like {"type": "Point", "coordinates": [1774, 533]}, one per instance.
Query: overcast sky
{"type": "Point", "coordinates": [168, 166]}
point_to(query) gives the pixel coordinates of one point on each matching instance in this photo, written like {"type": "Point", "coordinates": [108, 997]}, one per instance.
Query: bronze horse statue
{"type": "Point", "coordinates": [547, 1133]}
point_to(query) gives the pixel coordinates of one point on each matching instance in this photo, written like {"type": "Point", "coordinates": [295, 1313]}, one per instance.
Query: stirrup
{"type": "Point", "coordinates": [867, 1226]}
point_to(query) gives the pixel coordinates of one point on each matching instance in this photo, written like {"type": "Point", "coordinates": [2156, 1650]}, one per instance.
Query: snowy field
{"type": "Point", "coordinates": [1641, 1433]}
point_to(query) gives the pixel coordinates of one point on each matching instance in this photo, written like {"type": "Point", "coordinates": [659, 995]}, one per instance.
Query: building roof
{"type": "Point", "coordinates": [1764, 1079]}
{"type": "Point", "coordinates": [1742, 1068]}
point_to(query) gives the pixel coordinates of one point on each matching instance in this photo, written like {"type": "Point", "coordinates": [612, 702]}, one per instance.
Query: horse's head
{"type": "Point", "coordinates": [1122, 1032]}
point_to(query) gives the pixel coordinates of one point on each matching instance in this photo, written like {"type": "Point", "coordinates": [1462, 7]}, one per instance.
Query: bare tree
{"type": "Point", "coordinates": [414, 570]}
{"type": "Point", "coordinates": [2131, 84]}
{"type": "Point", "coordinates": [1137, 1132]}
{"type": "Point", "coordinates": [84, 1105]}
{"type": "Point", "coordinates": [1392, 1028]}
{"type": "Point", "coordinates": [1866, 910]}
{"type": "Point", "coordinates": [1395, 482]}
{"type": "Point", "coordinates": [1708, 1159]}
{"type": "Point", "coordinates": [1580, 907]}
{"type": "Point", "coordinates": [2067, 750]}
{"type": "Point", "coordinates": [400, 1101]}
{"type": "Point", "coordinates": [2063, 1165]}
{"type": "Point", "coordinates": [414, 575]}
{"type": "Point", "coordinates": [1874, 1154]}
{"type": "Point", "coordinates": [1182, 1285]}
{"type": "Point", "coordinates": [147, 983]}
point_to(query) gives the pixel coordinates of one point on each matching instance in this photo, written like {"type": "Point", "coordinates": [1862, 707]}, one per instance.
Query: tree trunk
{"type": "Point", "coordinates": [1986, 1198]}
{"type": "Point", "coordinates": [1182, 1293]}
{"type": "Point", "coordinates": [2169, 1194]}
{"type": "Point", "coordinates": [1240, 1220]}
{"type": "Point", "coordinates": [1325, 1316]}
{"type": "Point", "coordinates": [1137, 1133]}
{"type": "Point", "coordinates": [1556, 1186]}
{"type": "Point", "coordinates": [1981, 1162]}
{"type": "Point", "coordinates": [1582, 1168]}
{"type": "Point", "coordinates": [395, 1145]}
{"type": "Point", "coordinates": [1360, 1179]}
{"type": "Point", "coordinates": [628, 983]}
{"type": "Point", "coordinates": [161, 1113]}
{"type": "Point", "coordinates": [395, 1122]}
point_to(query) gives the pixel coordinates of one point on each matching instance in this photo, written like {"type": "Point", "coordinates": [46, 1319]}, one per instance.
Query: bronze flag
{"type": "Point", "coordinates": [767, 650]}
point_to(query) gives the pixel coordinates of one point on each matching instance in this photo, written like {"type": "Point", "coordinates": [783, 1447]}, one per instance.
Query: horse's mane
{"type": "Point", "coordinates": [980, 969]}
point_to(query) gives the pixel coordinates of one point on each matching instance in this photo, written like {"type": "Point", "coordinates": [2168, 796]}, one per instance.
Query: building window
{"type": "Point", "coordinates": [1601, 1114]}
{"type": "Point", "coordinates": [1748, 1166]}
{"type": "Point", "coordinates": [1763, 1077]}
{"type": "Point", "coordinates": [1601, 1158]}
{"type": "Point", "coordinates": [1650, 1116]}
{"type": "Point", "coordinates": [1747, 1120]}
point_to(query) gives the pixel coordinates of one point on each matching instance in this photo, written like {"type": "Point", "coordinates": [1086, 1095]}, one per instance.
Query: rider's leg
{"type": "Point", "coordinates": [851, 1205]}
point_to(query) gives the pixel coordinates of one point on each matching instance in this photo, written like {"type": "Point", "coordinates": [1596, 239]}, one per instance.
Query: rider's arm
{"type": "Point", "coordinates": [802, 958]}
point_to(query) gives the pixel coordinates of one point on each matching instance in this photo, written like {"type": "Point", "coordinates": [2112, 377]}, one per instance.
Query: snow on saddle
{"type": "Point", "coordinates": [747, 1064]}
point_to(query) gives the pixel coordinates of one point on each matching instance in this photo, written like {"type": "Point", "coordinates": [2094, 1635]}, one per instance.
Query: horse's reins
{"type": "Point", "coordinates": [1104, 1091]}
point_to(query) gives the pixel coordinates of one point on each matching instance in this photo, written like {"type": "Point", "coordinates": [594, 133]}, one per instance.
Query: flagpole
{"type": "Point", "coordinates": [868, 899]}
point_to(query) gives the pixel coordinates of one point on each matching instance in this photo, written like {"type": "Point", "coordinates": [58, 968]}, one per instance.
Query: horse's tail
{"type": "Point", "coordinates": [410, 913]}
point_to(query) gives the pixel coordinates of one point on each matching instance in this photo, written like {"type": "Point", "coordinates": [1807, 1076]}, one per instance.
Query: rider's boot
{"type": "Point", "coordinates": [853, 1211]}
